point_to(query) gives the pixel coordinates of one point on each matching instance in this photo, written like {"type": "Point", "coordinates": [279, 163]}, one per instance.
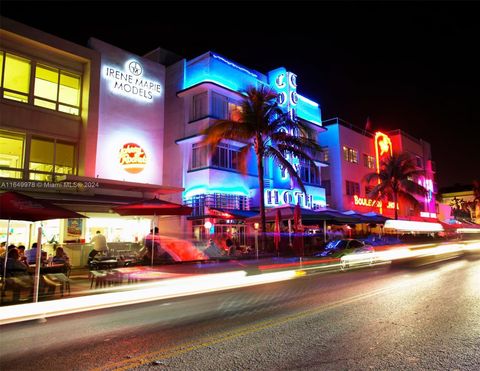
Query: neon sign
{"type": "Point", "coordinates": [132, 158]}
{"type": "Point", "coordinates": [383, 147]}
{"type": "Point", "coordinates": [275, 197]}
{"type": "Point", "coordinates": [130, 83]}
{"type": "Point", "coordinates": [285, 84]}
{"type": "Point", "coordinates": [362, 201]}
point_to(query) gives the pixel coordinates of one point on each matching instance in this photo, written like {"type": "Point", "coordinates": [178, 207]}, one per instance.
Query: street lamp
{"type": "Point", "coordinates": [256, 226]}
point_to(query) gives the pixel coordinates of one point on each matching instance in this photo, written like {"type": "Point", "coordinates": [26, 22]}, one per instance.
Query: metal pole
{"type": "Point", "coordinates": [153, 240]}
{"type": "Point", "coordinates": [325, 231]}
{"type": "Point", "coordinates": [256, 243]}
{"type": "Point", "coordinates": [36, 282]}
{"type": "Point", "coordinates": [290, 232]}
{"type": "Point", "coordinates": [4, 283]}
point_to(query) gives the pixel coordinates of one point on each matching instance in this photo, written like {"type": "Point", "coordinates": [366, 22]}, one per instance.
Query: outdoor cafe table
{"type": "Point", "coordinates": [103, 264]}
{"type": "Point", "coordinates": [52, 268]}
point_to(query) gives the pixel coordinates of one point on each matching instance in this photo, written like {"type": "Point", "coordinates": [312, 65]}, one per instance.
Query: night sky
{"type": "Point", "coordinates": [412, 66]}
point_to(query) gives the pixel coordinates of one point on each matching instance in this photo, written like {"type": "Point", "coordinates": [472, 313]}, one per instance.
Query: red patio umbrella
{"type": "Point", "coordinates": [17, 206]}
{"type": "Point", "coordinates": [154, 207]}
{"type": "Point", "coordinates": [276, 231]}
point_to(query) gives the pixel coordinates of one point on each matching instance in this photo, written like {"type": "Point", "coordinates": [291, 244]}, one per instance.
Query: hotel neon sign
{"type": "Point", "coordinates": [275, 197]}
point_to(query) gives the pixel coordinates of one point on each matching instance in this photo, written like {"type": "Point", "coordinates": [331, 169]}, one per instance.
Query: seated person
{"type": "Point", "coordinates": [21, 252]}
{"type": "Point", "coordinates": [31, 254]}
{"type": "Point", "coordinates": [14, 266]}
{"type": "Point", "coordinates": [17, 274]}
{"type": "Point", "coordinates": [61, 257]}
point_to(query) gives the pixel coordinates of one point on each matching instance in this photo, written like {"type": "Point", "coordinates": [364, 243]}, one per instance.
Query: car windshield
{"type": "Point", "coordinates": [337, 245]}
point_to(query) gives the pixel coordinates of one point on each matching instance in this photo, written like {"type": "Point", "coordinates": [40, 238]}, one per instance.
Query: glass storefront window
{"type": "Point", "coordinates": [11, 155]}
{"type": "Point", "coordinates": [16, 78]}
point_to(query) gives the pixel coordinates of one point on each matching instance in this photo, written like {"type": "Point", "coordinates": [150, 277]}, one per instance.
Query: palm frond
{"type": "Point", "coordinates": [281, 161]}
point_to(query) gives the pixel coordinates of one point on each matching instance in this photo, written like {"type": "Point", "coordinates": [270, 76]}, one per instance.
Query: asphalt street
{"type": "Point", "coordinates": [377, 317]}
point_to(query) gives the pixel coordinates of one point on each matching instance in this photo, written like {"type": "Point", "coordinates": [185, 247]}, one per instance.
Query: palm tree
{"type": "Point", "coordinates": [395, 180]}
{"type": "Point", "coordinates": [261, 124]}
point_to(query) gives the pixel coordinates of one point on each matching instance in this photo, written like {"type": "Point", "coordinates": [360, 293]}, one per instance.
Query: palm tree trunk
{"type": "Point", "coordinates": [261, 186]}
{"type": "Point", "coordinates": [395, 196]}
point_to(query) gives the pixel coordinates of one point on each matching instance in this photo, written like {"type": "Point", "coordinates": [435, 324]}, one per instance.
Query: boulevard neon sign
{"type": "Point", "coordinates": [130, 83]}
{"type": "Point", "coordinates": [362, 201]}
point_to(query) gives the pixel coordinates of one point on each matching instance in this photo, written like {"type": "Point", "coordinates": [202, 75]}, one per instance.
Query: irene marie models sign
{"type": "Point", "coordinates": [130, 82]}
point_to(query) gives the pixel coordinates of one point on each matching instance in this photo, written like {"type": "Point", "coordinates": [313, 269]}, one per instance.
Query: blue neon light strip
{"type": "Point", "coordinates": [234, 65]}
{"type": "Point", "coordinates": [308, 101]}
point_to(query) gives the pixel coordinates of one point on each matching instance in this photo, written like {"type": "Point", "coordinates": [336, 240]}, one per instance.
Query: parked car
{"type": "Point", "coordinates": [350, 251]}
{"type": "Point", "coordinates": [339, 248]}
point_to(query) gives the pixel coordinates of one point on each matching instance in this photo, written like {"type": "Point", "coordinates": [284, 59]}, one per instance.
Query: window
{"type": "Point", "coordinates": [328, 187]}
{"type": "Point", "coordinates": [69, 93]}
{"type": "Point", "coordinates": [11, 155]}
{"type": "Point", "coordinates": [199, 156]}
{"type": "Point", "coordinates": [200, 106]}
{"type": "Point", "coordinates": [325, 154]}
{"type": "Point", "coordinates": [48, 158]}
{"type": "Point", "coordinates": [352, 188]}
{"type": "Point", "coordinates": [54, 88]}
{"type": "Point", "coordinates": [226, 157]}
{"type": "Point", "coordinates": [219, 106]}
{"type": "Point", "coordinates": [234, 111]}
{"type": "Point", "coordinates": [309, 172]}
{"type": "Point", "coordinates": [225, 108]}
{"type": "Point", "coordinates": [419, 162]}
{"type": "Point", "coordinates": [16, 78]}
{"type": "Point", "coordinates": [350, 155]}
{"type": "Point", "coordinates": [368, 161]}
{"type": "Point", "coordinates": [217, 200]}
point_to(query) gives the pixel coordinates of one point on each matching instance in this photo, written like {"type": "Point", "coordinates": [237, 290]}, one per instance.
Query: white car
{"type": "Point", "coordinates": [364, 255]}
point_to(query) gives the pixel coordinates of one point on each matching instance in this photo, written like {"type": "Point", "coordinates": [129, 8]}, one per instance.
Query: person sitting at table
{"type": "Point", "coordinates": [60, 257]}
{"type": "Point", "coordinates": [31, 254]}
{"type": "Point", "coordinates": [21, 252]}
{"type": "Point", "coordinates": [17, 276]}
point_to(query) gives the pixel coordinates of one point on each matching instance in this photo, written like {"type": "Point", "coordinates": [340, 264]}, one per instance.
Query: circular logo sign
{"type": "Point", "coordinates": [132, 158]}
{"type": "Point", "coordinates": [135, 68]}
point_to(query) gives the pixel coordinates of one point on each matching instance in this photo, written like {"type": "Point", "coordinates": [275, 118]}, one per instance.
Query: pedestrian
{"type": "Point", "coordinates": [99, 242]}
{"type": "Point", "coordinates": [230, 246]}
